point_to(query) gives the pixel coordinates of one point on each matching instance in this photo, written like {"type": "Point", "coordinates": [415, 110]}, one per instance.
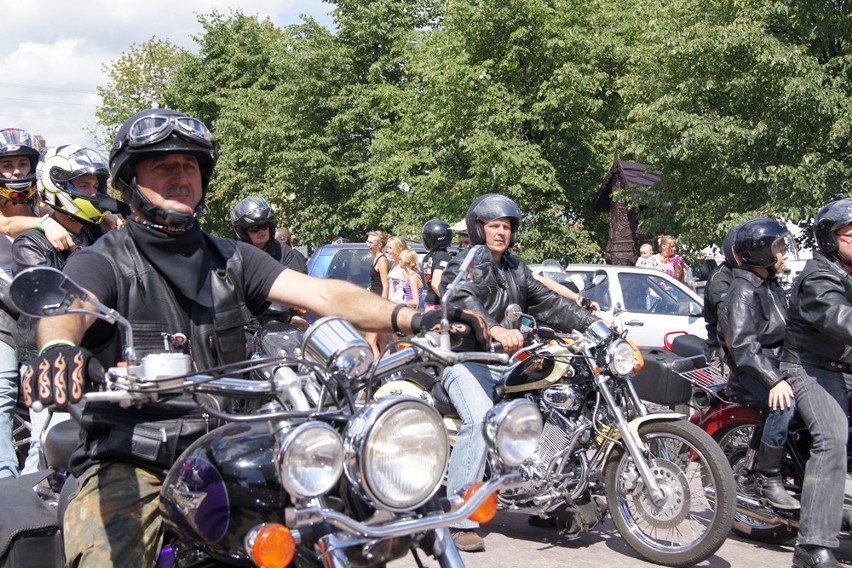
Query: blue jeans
{"type": "Point", "coordinates": [471, 389]}
{"type": "Point", "coordinates": [777, 423]}
{"type": "Point", "coordinates": [8, 400]}
{"type": "Point", "coordinates": [822, 398]}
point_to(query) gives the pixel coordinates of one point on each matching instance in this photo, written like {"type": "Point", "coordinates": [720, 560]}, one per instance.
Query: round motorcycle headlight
{"type": "Point", "coordinates": [620, 358]}
{"type": "Point", "coordinates": [513, 429]}
{"type": "Point", "coordinates": [397, 452]}
{"type": "Point", "coordinates": [310, 459]}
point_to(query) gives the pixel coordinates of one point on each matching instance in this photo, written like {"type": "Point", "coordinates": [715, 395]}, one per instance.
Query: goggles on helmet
{"type": "Point", "coordinates": [155, 128]}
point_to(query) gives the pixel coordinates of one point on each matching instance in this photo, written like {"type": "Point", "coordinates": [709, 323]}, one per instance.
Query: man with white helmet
{"type": "Point", "coordinates": [71, 179]}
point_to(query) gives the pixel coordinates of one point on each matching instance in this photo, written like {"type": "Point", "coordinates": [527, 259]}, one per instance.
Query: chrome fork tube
{"type": "Point", "coordinates": [629, 441]}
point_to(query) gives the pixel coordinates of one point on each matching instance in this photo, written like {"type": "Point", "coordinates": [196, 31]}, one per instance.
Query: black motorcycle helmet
{"type": "Point", "coordinates": [728, 248]}
{"type": "Point", "coordinates": [831, 218]}
{"type": "Point", "coordinates": [487, 208]}
{"type": "Point", "coordinates": [154, 132]}
{"type": "Point", "coordinates": [437, 234]}
{"type": "Point", "coordinates": [251, 212]}
{"type": "Point", "coordinates": [758, 241]}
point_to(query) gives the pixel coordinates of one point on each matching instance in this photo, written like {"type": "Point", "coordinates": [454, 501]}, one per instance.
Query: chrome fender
{"type": "Point", "coordinates": [633, 425]}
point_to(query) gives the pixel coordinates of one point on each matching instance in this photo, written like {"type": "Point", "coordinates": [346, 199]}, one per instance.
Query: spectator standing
{"type": "Point", "coordinates": [413, 284]}
{"type": "Point", "coordinates": [396, 276]}
{"type": "Point", "coordinates": [670, 262]}
{"type": "Point", "coordinates": [376, 241]}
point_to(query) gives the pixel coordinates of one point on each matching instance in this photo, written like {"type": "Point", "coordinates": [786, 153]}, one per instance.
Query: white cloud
{"type": "Point", "coordinates": [51, 57]}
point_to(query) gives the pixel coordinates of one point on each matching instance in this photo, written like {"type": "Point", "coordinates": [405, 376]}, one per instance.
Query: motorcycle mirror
{"type": "Point", "coordinates": [599, 278]}
{"type": "Point", "coordinates": [513, 313]}
{"type": "Point", "coordinates": [564, 261]}
{"type": "Point", "coordinates": [577, 283]}
{"type": "Point", "coordinates": [42, 291]}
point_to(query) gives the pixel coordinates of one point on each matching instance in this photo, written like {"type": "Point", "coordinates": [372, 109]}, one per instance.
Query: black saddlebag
{"type": "Point", "coordinates": [29, 533]}
{"type": "Point", "coordinates": [658, 383]}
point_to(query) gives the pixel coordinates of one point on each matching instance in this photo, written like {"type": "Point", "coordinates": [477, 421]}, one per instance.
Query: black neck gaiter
{"type": "Point", "coordinates": [182, 259]}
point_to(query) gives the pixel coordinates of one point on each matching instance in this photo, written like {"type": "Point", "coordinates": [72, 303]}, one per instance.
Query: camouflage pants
{"type": "Point", "coordinates": [114, 520]}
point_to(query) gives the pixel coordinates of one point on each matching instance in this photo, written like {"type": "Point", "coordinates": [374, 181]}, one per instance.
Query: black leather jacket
{"type": "Point", "coordinates": [753, 317]}
{"type": "Point", "coordinates": [715, 293]}
{"type": "Point", "coordinates": [510, 281]}
{"type": "Point", "coordinates": [819, 321]}
{"type": "Point", "coordinates": [31, 248]}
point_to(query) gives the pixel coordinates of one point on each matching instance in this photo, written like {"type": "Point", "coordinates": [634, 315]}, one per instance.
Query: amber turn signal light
{"type": "Point", "coordinates": [274, 546]}
{"type": "Point", "coordinates": [487, 510]}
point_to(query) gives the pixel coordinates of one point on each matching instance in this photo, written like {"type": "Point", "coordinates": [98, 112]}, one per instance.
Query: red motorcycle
{"type": "Point", "coordinates": [735, 421]}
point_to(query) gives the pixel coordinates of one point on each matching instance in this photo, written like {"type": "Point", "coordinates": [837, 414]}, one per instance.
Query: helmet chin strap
{"type": "Point", "coordinates": [165, 220]}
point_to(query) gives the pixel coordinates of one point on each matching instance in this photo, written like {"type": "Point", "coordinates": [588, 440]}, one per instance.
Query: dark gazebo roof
{"type": "Point", "coordinates": [630, 174]}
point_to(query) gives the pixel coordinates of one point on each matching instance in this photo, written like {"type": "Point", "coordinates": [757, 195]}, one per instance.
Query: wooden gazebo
{"type": "Point", "coordinates": [624, 237]}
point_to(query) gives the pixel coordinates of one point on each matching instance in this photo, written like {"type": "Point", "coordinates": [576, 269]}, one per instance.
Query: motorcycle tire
{"type": "Point", "coordinates": [685, 462]}
{"type": "Point", "coordinates": [735, 437]}
{"type": "Point", "coordinates": [751, 528]}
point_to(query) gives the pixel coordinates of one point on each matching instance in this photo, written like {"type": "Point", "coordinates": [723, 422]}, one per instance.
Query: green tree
{"type": "Point", "coordinates": [137, 80]}
{"type": "Point", "coordinates": [744, 107]}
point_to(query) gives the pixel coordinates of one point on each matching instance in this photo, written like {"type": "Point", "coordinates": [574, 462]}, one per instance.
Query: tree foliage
{"type": "Point", "coordinates": [412, 108]}
{"type": "Point", "coordinates": [137, 80]}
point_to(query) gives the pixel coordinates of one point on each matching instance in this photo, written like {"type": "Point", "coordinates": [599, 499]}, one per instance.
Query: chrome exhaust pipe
{"type": "Point", "coordinates": [752, 507]}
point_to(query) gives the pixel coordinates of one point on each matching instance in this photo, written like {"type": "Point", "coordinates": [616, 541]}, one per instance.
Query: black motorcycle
{"type": "Point", "coordinates": [312, 475]}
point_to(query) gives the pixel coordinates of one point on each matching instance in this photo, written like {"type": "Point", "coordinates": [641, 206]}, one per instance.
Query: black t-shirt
{"type": "Point", "coordinates": [435, 260]}
{"type": "Point", "coordinates": [90, 269]}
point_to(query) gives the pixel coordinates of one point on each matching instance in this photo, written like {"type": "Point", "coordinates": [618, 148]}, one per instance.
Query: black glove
{"type": "Point", "coordinates": [57, 377]}
{"type": "Point", "coordinates": [473, 321]}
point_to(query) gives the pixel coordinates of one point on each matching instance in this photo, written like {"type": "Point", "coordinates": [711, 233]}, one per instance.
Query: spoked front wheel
{"type": "Point", "coordinates": [692, 519]}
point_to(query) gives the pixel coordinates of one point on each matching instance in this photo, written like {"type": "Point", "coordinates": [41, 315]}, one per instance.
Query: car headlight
{"type": "Point", "coordinates": [513, 429]}
{"type": "Point", "coordinates": [310, 459]}
{"type": "Point", "coordinates": [396, 452]}
{"type": "Point", "coordinates": [620, 358]}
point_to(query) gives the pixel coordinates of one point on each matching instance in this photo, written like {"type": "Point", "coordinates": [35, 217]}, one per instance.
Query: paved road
{"type": "Point", "coordinates": [511, 543]}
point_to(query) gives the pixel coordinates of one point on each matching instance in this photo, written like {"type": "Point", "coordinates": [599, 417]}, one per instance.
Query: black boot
{"type": "Point", "coordinates": [768, 478]}
{"type": "Point", "coordinates": [806, 556]}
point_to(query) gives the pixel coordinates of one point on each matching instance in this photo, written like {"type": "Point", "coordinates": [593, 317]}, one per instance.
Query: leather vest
{"type": "Point", "coordinates": [148, 301]}
{"type": "Point", "coordinates": [153, 435]}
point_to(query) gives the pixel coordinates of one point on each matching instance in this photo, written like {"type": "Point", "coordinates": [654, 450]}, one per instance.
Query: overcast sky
{"type": "Point", "coordinates": [51, 52]}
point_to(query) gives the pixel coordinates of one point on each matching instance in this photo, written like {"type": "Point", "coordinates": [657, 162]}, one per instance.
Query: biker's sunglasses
{"type": "Point", "coordinates": [157, 127]}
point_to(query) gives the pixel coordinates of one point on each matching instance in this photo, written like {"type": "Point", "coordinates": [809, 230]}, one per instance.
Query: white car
{"type": "Point", "coordinates": [646, 302]}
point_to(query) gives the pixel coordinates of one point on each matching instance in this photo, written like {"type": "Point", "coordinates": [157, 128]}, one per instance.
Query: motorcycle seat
{"type": "Point", "coordinates": [442, 402]}
{"type": "Point", "coordinates": [61, 441]}
{"type": "Point", "coordinates": [687, 345]}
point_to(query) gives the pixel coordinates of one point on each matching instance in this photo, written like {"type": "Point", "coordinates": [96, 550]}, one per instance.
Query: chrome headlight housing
{"type": "Point", "coordinates": [513, 430]}
{"type": "Point", "coordinates": [620, 358]}
{"type": "Point", "coordinates": [396, 453]}
{"type": "Point", "coordinates": [309, 459]}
